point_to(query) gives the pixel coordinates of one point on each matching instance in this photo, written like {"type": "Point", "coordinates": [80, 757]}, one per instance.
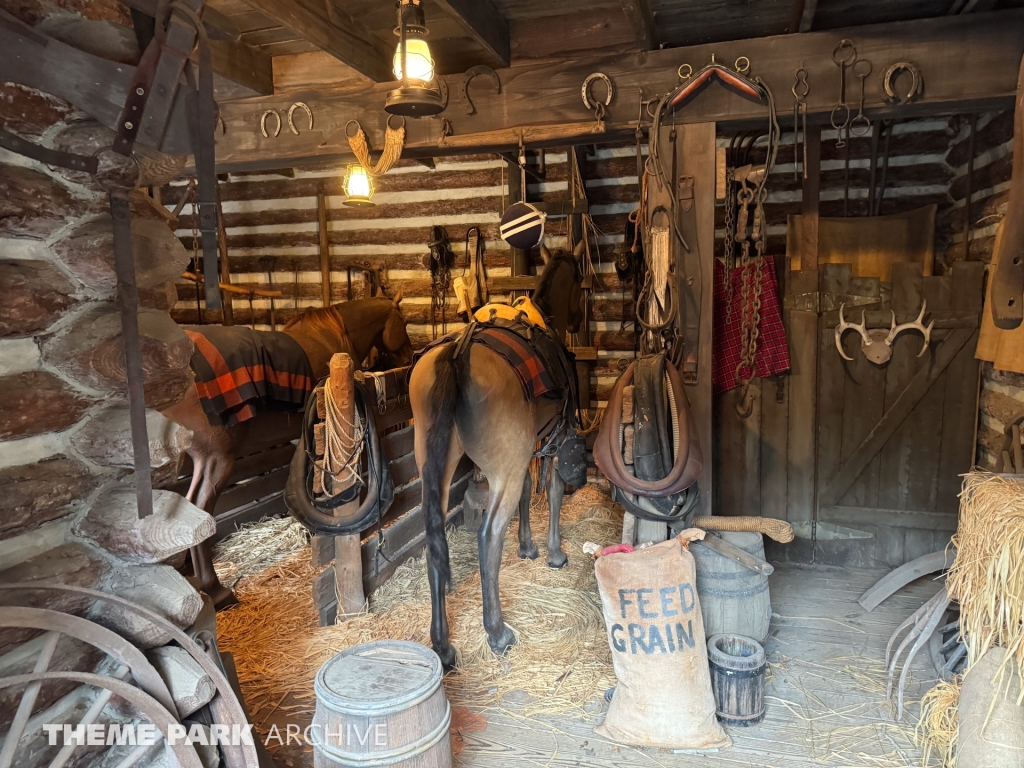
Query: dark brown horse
{"type": "Point", "coordinates": [474, 404]}
{"type": "Point", "coordinates": [356, 327]}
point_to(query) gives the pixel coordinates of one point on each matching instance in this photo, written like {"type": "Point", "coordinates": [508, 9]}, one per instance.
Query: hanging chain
{"type": "Point", "coordinates": [193, 199]}
{"type": "Point", "coordinates": [729, 241]}
{"type": "Point", "coordinates": [751, 286]}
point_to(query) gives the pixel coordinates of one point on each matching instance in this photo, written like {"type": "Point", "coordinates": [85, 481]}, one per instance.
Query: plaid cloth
{"type": "Point", "coordinates": [529, 367]}
{"type": "Point", "coordinates": [237, 370]}
{"type": "Point", "coordinates": [772, 349]}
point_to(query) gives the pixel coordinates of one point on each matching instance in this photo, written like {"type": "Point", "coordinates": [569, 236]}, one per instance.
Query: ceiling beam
{"type": "Point", "coordinates": [638, 13]}
{"type": "Point", "coordinates": [243, 65]}
{"type": "Point", "coordinates": [341, 35]}
{"type": "Point", "coordinates": [484, 23]}
{"type": "Point", "coordinates": [803, 15]}
{"type": "Point", "coordinates": [969, 62]}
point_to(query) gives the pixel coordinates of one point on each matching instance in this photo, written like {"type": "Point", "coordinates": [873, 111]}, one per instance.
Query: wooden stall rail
{"type": "Point", "coordinates": [356, 564]}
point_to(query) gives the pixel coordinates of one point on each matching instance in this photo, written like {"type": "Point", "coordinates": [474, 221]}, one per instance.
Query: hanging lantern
{"type": "Point", "coordinates": [413, 66]}
{"type": "Point", "coordinates": [358, 186]}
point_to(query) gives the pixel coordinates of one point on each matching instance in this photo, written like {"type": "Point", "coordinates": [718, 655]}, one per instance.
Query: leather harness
{"type": "Point", "coordinates": [661, 485]}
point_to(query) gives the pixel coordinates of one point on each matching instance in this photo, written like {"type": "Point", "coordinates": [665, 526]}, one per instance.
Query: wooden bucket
{"type": "Point", "coordinates": [381, 704]}
{"type": "Point", "coordinates": [733, 598]}
{"type": "Point", "coordinates": [737, 678]}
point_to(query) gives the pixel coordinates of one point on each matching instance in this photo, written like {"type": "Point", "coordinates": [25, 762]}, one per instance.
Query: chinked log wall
{"type": "Point", "coordinates": [273, 218]}
{"type": "Point", "coordinates": [1002, 392]}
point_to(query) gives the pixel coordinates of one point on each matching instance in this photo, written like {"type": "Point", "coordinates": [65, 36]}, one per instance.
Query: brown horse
{"type": "Point", "coordinates": [473, 404]}
{"type": "Point", "coordinates": [356, 327]}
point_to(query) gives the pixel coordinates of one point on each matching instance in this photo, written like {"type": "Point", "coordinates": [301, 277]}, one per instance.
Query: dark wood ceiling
{"type": "Point", "coordinates": [532, 29]}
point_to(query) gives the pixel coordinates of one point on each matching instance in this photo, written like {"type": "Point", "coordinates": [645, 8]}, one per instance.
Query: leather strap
{"type": "Point", "coordinates": [128, 303]}
{"type": "Point", "coordinates": [48, 156]}
{"type": "Point", "coordinates": [688, 277]}
{"type": "Point", "coordinates": [202, 114]}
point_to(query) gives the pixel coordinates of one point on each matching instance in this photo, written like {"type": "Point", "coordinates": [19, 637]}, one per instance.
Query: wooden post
{"type": "Point", "coordinates": [348, 564]}
{"type": "Point", "coordinates": [227, 314]}
{"type": "Point", "coordinates": [583, 368]}
{"type": "Point", "coordinates": [516, 192]}
{"type": "Point", "coordinates": [810, 195]}
{"type": "Point", "coordinates": [325, 250]}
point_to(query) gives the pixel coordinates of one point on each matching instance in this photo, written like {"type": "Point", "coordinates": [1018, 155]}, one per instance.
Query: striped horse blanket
{"type": "Point", "coordinates": [239, 371]}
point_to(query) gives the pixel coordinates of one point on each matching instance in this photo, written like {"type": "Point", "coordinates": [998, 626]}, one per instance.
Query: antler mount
{"type": "Point", "coordinates": [876, 343]}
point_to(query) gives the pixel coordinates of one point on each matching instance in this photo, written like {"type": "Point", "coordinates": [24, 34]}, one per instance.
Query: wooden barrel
{"type": "Point", "coordinates": [733, 598]}
{"type": "Point", "coordinates": [737, 679]}
{"type": "Point", "coordinates": [381, 704]}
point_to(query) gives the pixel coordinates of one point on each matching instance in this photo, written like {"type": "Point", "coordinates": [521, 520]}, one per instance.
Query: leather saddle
{"type": "Point", "coordinates": [661, 483]}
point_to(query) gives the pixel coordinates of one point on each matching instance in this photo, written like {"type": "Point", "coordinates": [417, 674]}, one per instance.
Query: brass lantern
{"type": "Point", "coordinates": [359, 187]}
{"type": "Point", "coordinates": [413, 66]}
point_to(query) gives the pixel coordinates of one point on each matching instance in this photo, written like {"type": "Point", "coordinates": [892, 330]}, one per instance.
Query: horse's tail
{"type": "Point", "coordinates": [444, 398]}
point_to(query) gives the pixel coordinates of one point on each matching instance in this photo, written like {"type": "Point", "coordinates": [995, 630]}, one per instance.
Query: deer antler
{"type": "Point", "coordinates": [844, 326]}
{"type": "Point", "coordinates": [916, 325]}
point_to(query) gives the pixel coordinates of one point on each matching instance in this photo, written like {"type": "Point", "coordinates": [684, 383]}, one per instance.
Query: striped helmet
{"type": "Point", "coordinates": [522, 226]}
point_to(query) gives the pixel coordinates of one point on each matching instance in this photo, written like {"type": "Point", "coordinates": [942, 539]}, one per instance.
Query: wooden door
{"type": "Point", "coordinates": [893, 439]}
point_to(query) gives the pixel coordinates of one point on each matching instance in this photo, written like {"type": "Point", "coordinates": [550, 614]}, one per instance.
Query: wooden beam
{"type": "Point", "coordinates": [803, 15]}
{"type": "Point", "coordinates": [244, 65]}
{"type": "Point", "coordinates": [484, 23]}
{"type": "Point", "coordinates": [811, 194]}
{"type": "Point", "coordinates": [638, 13]}
{"type": "Point", "coordinates": [970, 63]}
{"type": "Point", "coordinates": [218, 26]}
{"type": "Point", "coordinates": [345, 38]}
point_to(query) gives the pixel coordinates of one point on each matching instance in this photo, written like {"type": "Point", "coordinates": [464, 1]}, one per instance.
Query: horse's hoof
{"type": "Point", "coordinates": [528, 553]}
{"type": "Point", "coordinates": [447, 655]}
{"type": "Point", "coordinates": [558, 559]}
{"type": "Point", "coordinates": [222, 597]}
{"type": "Point", "coordinates": [503, 642]}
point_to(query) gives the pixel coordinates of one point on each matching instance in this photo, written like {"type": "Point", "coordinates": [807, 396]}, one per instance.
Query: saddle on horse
{"type": "Point", "coordinates": [545, 368]}
{"type": "Point", "coordinates": [661, 482]}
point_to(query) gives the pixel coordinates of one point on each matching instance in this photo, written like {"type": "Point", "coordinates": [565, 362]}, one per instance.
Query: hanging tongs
{"type": "Point", "coordinates": [734, 79]}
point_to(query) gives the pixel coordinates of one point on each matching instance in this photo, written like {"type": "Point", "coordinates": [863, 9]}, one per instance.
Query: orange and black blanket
{"type": "Point", "coordinates": [239, 370]}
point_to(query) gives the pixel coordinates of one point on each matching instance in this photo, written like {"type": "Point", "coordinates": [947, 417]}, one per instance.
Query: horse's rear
{"type": "Point", "coordinates": [485, 416]}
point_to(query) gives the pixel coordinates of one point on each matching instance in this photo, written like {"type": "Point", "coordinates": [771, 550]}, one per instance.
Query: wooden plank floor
{"type": "Point", "coordinates": [826, 700]}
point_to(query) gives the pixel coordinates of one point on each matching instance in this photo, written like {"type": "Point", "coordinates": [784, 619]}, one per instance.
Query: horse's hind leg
{"type": "Point", "coordinates": [505, 496]}
{"type": "Point", "coordinates": [527, 549]}
{"type": "Point", "coordinates": [556, 490]}
{"type": "Point", "coordinates": [214, 470]}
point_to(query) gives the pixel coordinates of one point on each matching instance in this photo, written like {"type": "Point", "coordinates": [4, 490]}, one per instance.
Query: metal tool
{"type": "Point", "coordinates": [860, 125]}
{"type": "Point", "coordinates": [801, 88]}
{"type": "Point", "coordinates": [889, 81]}
{"type": "Point", "coordinates": [843, 55]}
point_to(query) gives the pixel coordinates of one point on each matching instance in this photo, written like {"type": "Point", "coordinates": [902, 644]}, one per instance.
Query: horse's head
{"type": "Point", "coordinates": [560, 291]}
{"type": "Point", "coordinates": [394, 345]}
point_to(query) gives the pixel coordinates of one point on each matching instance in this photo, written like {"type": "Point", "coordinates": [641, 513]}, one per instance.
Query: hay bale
{"type": "Point", "coordinates": [937, 729]}
{"type": "Point", "coordinates": [987, 577]}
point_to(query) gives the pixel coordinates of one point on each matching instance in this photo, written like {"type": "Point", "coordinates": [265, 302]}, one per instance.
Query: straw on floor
{"type": "Point", "coordinates": [562, 659]}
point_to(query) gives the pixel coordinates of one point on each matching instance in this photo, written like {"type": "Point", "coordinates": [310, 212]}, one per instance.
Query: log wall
{"type": "Point", "coordinates": [1002, 392]}
{"type": "Point", "coordinates": [68, 503]}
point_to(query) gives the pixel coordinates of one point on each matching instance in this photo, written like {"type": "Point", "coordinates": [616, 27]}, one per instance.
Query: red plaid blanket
{"type": "Point", "coordinates": [238, 370]}
{"type": "Point", "coordinates": [772, 349]}
{"type": "Point", "coordinates": [529, 367]}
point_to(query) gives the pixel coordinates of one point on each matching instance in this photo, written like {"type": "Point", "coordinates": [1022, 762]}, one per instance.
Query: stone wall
{"type": "Point", "coordinates": [66, 493]}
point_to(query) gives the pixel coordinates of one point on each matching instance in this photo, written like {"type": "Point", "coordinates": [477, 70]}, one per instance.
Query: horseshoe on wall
{"type": "Point", "coordinates": [479, 69]}
{"type": "Point", "coordinates": [263, 123]}
{"type": "Point", "coordinates": [889, 81]}
{"type": "Point", "coordinates": [291, 116]}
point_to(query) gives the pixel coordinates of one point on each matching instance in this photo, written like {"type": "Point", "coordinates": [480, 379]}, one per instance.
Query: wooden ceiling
{"type": "Point", "coordinates": [355, 40]}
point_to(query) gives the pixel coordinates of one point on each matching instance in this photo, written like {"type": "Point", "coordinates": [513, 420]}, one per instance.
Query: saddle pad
{"type": "Point", "coordinates": [237, 370]}
{"type": "Point", "coordinates": [772, 356]}
{"type": "Point", "coordinates": [533, 374]}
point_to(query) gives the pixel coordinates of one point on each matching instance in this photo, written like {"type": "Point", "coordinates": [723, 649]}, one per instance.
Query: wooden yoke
{"type": "Point", "coordinates": [338, 591]}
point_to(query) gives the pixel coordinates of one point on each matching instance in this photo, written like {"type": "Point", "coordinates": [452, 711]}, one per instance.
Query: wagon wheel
{"type": "Point", "coordinates": [149, 695]}
{"type": "Point", "coordinates": [224, 707]}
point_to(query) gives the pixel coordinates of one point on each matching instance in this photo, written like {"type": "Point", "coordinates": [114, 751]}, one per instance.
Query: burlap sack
{"type": "Point", "coordinates": [663, 697]}
{"type": "Point", "coordinates": [991, 724]}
